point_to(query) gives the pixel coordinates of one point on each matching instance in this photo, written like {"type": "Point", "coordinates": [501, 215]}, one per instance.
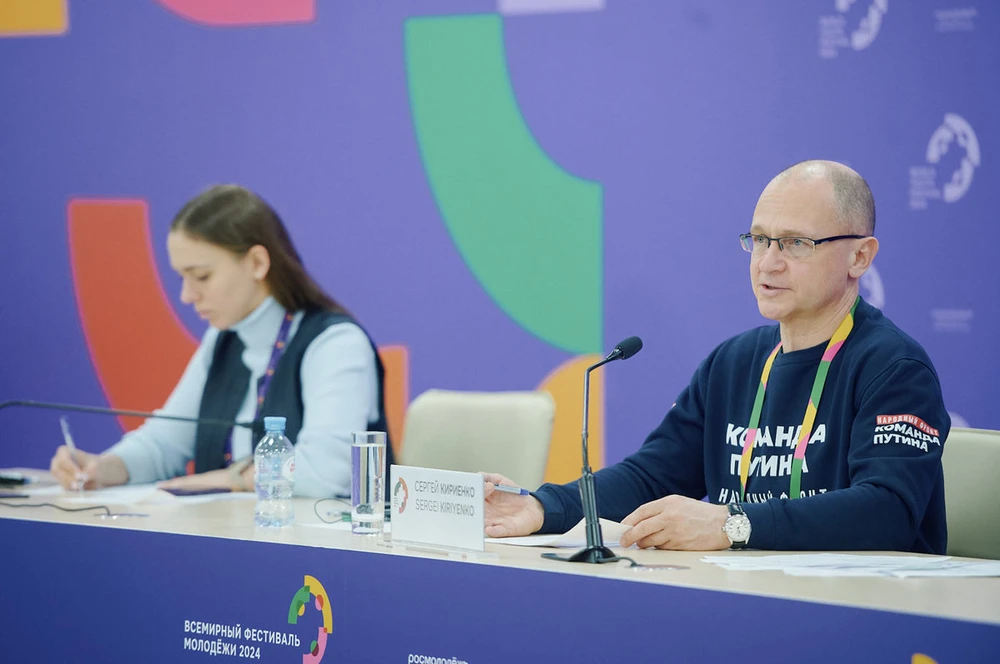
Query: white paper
{"type": "Point", "coordinates": [42, 491]}
{"type": "Point", "coordinates": [841, 564]}
{"type": "Point", "coordinates": [574, 538]}
{"type": "Point", "coordinates": [130, 494]}
{"type": "Point", "coordinates": [986, 568]}
{"type": "Point", "coordinates": [119, 495]}
{"type": "Point", "coordinates": [822, 560]}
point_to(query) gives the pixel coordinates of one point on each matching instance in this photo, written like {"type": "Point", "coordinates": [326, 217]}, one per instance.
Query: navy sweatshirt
{"type": "Point", "coordinates": [872, 476]}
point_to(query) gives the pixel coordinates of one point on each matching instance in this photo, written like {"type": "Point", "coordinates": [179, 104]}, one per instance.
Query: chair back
{"type": "Point", "coordinates": [971, 462]}
{"type": "Point", "coordinates": [499, 432]}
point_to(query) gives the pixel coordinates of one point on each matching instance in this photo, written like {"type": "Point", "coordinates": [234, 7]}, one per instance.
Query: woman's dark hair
{"type": "Point", "coordinates": [236, 219]}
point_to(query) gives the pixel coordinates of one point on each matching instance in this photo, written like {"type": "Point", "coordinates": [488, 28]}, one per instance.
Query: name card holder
{"type": "Point", "coordinates": [437, 510]}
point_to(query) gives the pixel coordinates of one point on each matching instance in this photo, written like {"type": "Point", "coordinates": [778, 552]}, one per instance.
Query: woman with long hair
{"type": "Point", "coordinates": [277, 344]}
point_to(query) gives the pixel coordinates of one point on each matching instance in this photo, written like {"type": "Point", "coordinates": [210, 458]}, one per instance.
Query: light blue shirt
{"type": "Point", "coordinates": [339, 395]}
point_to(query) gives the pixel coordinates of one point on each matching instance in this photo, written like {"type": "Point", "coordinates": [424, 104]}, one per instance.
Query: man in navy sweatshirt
{"type": "Point", "coordinates": [822, 432]}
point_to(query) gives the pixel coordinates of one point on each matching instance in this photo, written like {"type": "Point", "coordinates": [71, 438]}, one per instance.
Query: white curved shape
{"type": "Point", "coordinates": [872, 288]}
{"type": "Point", "coordinates": [865, 34]}
{"type": "Point", "coordinates": [512, 7]}
{"type": "Point", "coordinates": [957, 420]}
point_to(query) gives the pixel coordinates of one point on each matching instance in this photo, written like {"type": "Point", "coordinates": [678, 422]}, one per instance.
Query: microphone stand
{"type": "Point", "coordinates": [116, 411]}
{"type": "Point", "coordinates": [595, 551]}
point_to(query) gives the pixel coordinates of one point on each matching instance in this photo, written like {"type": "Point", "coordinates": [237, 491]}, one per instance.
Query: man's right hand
{"type": "Point", "coordinates": [509, 514]}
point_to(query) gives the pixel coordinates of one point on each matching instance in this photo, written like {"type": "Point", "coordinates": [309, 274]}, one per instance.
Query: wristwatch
{"type": "Point", "coordinates": [737, 527]}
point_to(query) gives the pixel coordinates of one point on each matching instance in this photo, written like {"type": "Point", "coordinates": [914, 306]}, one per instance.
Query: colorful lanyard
{"type": "Point", "coordinates": [265, 380]}
{"type": "Point", "coordinates": [836, 342]}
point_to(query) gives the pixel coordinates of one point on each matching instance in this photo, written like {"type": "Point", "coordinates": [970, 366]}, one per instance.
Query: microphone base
{"type": "Point", "coordinates": [596, 555]}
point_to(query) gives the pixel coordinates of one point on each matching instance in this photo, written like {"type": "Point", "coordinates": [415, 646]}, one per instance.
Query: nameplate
{"type": "Point", "coordinates": [437, 507]}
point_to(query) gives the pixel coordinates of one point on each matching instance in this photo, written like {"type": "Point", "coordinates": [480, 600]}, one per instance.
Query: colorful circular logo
{"type": "Point", "coordinates": [313, 593]}
{"type": "Point", "coordinates": [400, 494]}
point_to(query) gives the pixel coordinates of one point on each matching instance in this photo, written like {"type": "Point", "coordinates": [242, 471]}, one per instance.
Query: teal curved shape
{"type": "Point", "coordinates": [531, 233]}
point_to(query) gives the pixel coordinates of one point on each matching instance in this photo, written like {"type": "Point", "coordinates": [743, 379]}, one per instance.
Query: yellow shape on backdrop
{"type": "Point", "coordinates": [565, 384]}
{"type": "Point", "coordinates": [25, 18]}
{"type": "Point", "coordinates": [922, 659]}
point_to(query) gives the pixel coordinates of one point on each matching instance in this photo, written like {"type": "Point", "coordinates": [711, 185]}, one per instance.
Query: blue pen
{"type": "Point", "coordinates": [512, 489]}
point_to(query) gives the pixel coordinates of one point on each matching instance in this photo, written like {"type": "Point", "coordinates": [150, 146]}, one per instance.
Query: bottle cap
{"type": "Point", "coordinates": [274, 424]}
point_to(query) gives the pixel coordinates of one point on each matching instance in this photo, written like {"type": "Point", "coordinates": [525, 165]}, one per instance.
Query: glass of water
{"type": "Point", "coordinates": [367, 482]}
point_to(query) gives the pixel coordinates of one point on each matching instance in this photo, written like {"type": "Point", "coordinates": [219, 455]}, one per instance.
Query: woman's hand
{"type": "Point", "coordinates": [76, 469]}
{"type": "Point", "coordinates": [223, 478]}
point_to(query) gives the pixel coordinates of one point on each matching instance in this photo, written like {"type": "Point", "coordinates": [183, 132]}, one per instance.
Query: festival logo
{"type": "Point", "coordinates": [955, 131]}
{"type": "Point", "coordinates": [312, 592]}
{"type": "Point", "coordinates": [952, 158]}
{"type": "Point", "coordinates": [400, 494]}
{"type": "Point", "coordinates": [838, 31]}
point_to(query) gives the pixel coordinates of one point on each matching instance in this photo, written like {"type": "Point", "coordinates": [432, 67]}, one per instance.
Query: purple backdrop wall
{"type": "Point", "coordinates": [680, 111]}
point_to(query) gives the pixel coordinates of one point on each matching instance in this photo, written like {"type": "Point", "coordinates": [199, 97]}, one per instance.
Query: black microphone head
{"type": "Point", "coordinates": [629, 347]}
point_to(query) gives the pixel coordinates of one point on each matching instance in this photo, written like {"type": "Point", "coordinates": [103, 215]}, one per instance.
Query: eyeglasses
{"type": "Point", "coordinates": [796, 247]}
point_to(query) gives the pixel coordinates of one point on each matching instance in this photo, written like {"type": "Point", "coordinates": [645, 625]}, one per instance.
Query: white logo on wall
{"type": "Point", "coordinates": [872, 289]}
{"type": "Point", "coordinates": [955, 20]}
{"type": "Point", "coordinates": [954, 136]}
{"type": "Point", "coordinates": [957, 420]}
{"type": "Point", "coordinates": [952, 320]}
{"type": "Point", "coordinates": [835, 34]}
{"type": "Point", "coordinates": [510, 7]}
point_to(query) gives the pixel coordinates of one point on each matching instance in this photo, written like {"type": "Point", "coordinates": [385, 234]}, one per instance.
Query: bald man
{"type": "Point", "coordinates": [822, 432]}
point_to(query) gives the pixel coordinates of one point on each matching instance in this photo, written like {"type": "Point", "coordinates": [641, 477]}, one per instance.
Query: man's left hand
{"type": "Point", "coordinates": [676, 522]}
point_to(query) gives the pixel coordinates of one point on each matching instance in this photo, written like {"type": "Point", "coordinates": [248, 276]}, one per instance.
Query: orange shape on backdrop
{"type": "Point", "coordinates": [565, 384]}
{"type": "Point", "coordinates": [236, 13]}
{"type": "Point", "coordinates": [29, 18]}
{"type": "Point", "coordinates": [137, 344]}
{"type": "Point", "coordinates": [396, 360]}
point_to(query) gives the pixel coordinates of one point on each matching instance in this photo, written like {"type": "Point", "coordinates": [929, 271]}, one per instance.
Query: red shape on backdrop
{"type": "Point", "coordinates": [237, 13]}
{"type": "Point", "coordinates": [137, 344]}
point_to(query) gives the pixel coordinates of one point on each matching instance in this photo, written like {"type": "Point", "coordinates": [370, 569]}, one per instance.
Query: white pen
{"type": "Point", "coordinates": [81, 477]}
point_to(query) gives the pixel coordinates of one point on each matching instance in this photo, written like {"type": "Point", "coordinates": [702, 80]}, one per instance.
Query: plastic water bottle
{"type": "Point", "coordinates": [274, 461]}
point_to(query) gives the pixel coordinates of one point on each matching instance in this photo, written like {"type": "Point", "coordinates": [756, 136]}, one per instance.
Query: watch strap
{"type": "Point", "coordinates": [735, 511]}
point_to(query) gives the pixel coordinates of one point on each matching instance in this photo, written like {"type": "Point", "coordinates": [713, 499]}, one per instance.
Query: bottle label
{"type": "Point", "coordinates": [288, 469]}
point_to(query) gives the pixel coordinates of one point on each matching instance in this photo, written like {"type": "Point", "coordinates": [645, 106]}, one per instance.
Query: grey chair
{"type": "Point", "coordinates": [971, 461]}
{"type": "Point", "coordinates": [500, 432]}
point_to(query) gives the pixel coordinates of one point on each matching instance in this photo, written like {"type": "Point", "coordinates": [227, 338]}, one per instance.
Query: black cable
{"type": "Point", "coordinates": [323, 500]}
{"type": "Point", "coordinates": [107, 511]}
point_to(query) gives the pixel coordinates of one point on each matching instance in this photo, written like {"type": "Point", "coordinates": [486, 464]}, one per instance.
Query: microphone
{"type": "Point", "coordinates": [595, 551]}
{"type": "Point", "coordinates": [625, 349]}
{"type": "Point", "coordinates": [45, 405]}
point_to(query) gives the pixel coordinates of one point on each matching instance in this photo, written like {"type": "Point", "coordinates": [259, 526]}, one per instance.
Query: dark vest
{"type": "Point", "coordinates": [228, 381]}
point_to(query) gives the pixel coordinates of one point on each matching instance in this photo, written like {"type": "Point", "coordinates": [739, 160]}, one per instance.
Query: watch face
{"type": "Point", "coordinates": [738, 528]}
